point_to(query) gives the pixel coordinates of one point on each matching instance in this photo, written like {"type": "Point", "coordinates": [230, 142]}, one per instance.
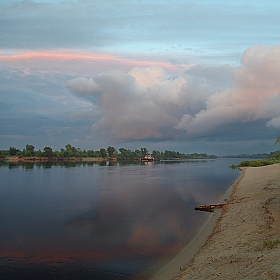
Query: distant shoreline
{"type": "Point", "coordinates": [21, 159]}
{"type": "Point", "coordinates": [55, 159]}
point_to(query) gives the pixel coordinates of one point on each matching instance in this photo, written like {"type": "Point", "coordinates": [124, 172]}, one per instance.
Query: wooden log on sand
{"type": "Point", "coordinates": [208, 208]}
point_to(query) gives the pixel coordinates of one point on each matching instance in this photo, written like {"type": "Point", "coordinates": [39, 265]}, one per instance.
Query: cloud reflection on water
{"type": "Point", "coordinates": [103, 216]}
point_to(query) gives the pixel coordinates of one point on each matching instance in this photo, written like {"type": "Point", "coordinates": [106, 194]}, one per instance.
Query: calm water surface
{"type": "Point", "coordinates": [102, 221]}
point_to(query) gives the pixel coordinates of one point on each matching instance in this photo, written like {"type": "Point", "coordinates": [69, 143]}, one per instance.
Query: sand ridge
{"type": "Point", "coordinates": [236, 250]}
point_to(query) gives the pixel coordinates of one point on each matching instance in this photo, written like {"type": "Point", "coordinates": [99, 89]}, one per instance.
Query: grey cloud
{"type": "Point", "coordinates": [36, 110]}
{"type": "Point", "coordinates": [83, 86]}
{"type": "Point", "coordinates": [127, 110]}
{"type": "Point", "coordinates": [147, 103]}
{"type": "Point", "coordinates": [28, 24]}
{"type": "Point", "coordinates": [274, 122]}
{"type": "Point", "coordinates": [98, 24]}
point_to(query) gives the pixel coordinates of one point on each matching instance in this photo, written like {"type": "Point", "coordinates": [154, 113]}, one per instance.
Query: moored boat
{"type": "Point", "coordinates": [147, 158]}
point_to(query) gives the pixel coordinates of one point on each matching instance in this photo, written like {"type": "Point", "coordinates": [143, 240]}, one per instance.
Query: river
{"type": "Point", "coordinates": [102, 220]}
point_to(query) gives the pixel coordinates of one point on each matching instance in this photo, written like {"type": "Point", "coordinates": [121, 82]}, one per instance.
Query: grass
{"type": "Point", "coordinates": [271, 243]}
{"type": "Point", "coordinates": [258, 163]}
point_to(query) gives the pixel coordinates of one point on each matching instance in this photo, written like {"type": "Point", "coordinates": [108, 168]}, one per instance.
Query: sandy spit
{"type": "Point", "coordinates": [236, 248]}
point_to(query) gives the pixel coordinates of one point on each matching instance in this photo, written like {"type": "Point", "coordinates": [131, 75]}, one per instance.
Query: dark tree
{"type": "Point", "coordinates": [103, 152]}
{"type": "Point", "coordinates": [144, 152]}
{"type": "Point", "coordinates": [111, 151]}
{"type": "Point", "coordinates": [48, 152]}
{"type": "Point", "coordinates": [13, 151]}
{"type": "Point", "coordinates": [29, 150]}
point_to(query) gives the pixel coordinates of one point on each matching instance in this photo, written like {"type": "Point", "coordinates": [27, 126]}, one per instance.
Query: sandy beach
{"type": "Point", "coordinates": [241, 241]}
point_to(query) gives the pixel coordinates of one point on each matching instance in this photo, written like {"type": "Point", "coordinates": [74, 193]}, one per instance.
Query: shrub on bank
{"type": "Point", "coordinates": [258, 163]}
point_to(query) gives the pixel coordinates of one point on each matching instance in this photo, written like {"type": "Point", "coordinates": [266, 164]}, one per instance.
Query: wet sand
{"type": "Point", "coordinates": [235, 242]}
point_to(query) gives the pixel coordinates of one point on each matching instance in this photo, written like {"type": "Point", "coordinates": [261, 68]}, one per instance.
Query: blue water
{"type": "Point", "coordinates": [102, 221]}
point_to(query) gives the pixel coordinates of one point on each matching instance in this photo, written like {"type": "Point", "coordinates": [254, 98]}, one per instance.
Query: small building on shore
{"type": "Point", "coordinates": [148, 158]}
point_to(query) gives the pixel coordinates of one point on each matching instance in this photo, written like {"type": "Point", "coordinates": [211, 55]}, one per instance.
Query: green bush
{"type": "Point", "coordinates": [276, 155]}
{"type": "Point", "coordinates": [258, 163]}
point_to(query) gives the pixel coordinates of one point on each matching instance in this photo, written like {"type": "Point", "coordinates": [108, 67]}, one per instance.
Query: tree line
{"type": "Point", "coordinates": [70, 151]}
{"type": "Point", "coordinates": [272, 159]}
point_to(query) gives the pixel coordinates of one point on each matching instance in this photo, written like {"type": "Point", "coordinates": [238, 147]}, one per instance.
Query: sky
{"type": "Point", "coordinates": [190, 76]}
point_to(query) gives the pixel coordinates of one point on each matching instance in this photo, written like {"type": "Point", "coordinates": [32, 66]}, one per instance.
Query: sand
{"type": "Point", "coordinates": [232, 242]}
{"type": "Point", "coordinates": [236, 250]}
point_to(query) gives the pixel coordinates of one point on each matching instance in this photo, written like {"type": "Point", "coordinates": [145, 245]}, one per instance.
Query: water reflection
{"type": "Point", "coordinates": [71, 164]}
{"type": "Point", "coordinates": [111, 221]}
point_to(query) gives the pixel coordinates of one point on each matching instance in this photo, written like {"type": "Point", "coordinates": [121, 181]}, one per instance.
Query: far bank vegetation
{"type": "Point", "coordinates": [110, 153]}
{"type": "Point", "coordinates": [275, 158]}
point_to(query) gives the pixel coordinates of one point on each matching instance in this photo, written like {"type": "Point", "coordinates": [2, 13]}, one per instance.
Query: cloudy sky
{"type": "Point", "coordinates": [191, 76]}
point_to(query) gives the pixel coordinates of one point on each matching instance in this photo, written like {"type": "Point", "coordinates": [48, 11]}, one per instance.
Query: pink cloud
{"type": "Point", "coordinates": [57, 56]}
{"type": "Point", "coordinates": [103, 61]}
{"type": "Point", "coordinates": [255, 91]}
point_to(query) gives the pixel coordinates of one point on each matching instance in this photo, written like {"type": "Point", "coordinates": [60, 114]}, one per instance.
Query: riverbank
{"type": "Point", "coordinates": [243, 244]}
{"type": "Point", "coordinates": [175, 266]}
{"type": "Point", "coordinates": [239, 241]}
{"type": "Point", "coordinates": [55, 159]}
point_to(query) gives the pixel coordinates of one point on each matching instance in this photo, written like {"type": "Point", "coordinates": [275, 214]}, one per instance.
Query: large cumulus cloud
{"type": "Point", "coordinates": [130, 105]}
{"type": "Point", "coordinates": [149, 103]}
{"type": "Point", "coordinates": [255, 95]}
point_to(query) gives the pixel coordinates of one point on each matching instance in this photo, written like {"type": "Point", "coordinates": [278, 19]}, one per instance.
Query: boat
{"type": "Point", "coordinates": [148, 158]}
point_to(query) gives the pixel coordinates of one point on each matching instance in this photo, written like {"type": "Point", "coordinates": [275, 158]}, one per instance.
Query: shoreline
{"type": "Point", "coordinates": [182, 259]}
{"type": "Point", "coordinates": [245, 240]}
{"type": "Point", "coordinates": [17, 159]}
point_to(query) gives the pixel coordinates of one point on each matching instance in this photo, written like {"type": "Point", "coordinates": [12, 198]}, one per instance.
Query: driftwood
{"type": "Point", "coordinates": [211, 207]}
{"type": "Point", "coordinates": [208, 208]}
